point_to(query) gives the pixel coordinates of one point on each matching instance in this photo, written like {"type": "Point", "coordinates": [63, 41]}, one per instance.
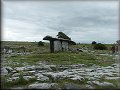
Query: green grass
{"type": "Point", "coordinates": [42, 54]}
{"type": "Point", "coordinates": [63, 58]}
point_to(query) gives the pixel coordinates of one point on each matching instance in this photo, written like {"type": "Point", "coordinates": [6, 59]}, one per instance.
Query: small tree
{"type": "Point", "coordinates": [40, 43]}
{"type": "Point", "coordinates": [93, 42]}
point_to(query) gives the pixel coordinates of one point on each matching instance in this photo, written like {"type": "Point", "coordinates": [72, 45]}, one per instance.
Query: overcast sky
{"type": "Point", "coordinates": [82, 21]}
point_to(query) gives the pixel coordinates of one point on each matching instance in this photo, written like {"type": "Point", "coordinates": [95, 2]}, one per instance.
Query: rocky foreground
{"type": "Point", "coordinates": [78, 76]}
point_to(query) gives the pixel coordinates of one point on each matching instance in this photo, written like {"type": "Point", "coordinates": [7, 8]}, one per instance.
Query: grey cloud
{"type": "Point", "coordinates": [73, 18]}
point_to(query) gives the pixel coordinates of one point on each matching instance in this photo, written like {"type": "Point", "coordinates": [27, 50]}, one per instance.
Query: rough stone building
{"type": "Point", "coordinates": [117, 49]}
{"type": "Point", "coordinates": [58, 44]}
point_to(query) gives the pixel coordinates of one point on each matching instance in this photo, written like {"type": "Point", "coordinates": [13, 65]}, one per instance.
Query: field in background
{"type": "Point", "coordinates": [32, 54]}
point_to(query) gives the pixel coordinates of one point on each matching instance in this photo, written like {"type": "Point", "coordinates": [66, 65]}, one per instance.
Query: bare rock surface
{"type": "Point", "coordinates": [41, 77]}
{"type": "Point", "coordinates": [41, 85]}
{"type": "Point", "coordinates": [79, 72]}
{"type": "Point", "coordinates": [4, 71]}
{"type": "Point", "coordinates": [102, 83]}
{"type": "Point", "coordinates": [71, 86]}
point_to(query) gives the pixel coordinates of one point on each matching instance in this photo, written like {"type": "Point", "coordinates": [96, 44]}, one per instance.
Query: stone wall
{"type": "Point", "coordinates": [57, 46]}
{"type": "Point", "coordinates": [65, 46]}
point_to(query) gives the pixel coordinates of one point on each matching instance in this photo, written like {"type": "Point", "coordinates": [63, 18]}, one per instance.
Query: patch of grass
{"type": "Point", "coordinates": [43, 54]}
{"type": "Point", "coordinates": [55, 58]}
{"type": "Point", "coordinates": [63, 58]}
{"type": "Point", "coordinates": [19, 82]}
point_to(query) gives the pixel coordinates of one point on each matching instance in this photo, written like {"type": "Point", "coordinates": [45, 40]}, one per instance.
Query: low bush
{"type": "Point", "coordinates": [94, 42]}
{"type": "Point", "coordinates": [40, 43]}
{"type": "Point", "coordinates": [100, 46]}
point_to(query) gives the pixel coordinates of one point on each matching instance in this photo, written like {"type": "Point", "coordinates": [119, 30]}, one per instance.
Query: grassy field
{"type": "Point", "coordinates": [41, 53]}
{"type": "Point", "coordinates": [35, 54]}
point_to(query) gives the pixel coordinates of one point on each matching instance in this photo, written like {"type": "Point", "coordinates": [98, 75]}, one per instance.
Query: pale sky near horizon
{"type": "Point", "coordinates": [82, 21]}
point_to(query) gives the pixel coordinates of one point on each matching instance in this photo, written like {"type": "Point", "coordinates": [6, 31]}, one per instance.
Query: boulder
{"type": "Point", "coordinates": [9, 69]}
{"type": "Point", "coordinates": [4, 71]}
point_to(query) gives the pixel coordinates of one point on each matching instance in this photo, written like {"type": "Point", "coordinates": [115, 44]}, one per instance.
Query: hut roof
{"type": "Point", "coordinates": [60, 39]}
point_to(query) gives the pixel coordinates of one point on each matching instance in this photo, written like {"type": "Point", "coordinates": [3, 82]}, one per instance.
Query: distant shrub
{"type": "Point", "coordinates": [118, 41]}
{"type": "Point", "coordinates": [100, 46]}
{"type": "Point", "coordinates": [94, 42]}
{"type": "Point", "coordinates": [40, 43]}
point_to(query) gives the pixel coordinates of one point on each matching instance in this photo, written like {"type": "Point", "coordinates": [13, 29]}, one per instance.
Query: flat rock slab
{"type": "Point", "coordinates": [71, 86]}
{"type": "Point", "coordinates": [41, 85]}
{"type": "Point", "coordinates": [102, 83]}
{"type": "Point", "coordinates": [41, 77]}
{"type": "Point", "coordinates": [112, 78]}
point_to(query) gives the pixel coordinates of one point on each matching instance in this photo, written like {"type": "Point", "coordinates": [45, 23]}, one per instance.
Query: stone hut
{"type": "Point", "coordinates": [58, 44]}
